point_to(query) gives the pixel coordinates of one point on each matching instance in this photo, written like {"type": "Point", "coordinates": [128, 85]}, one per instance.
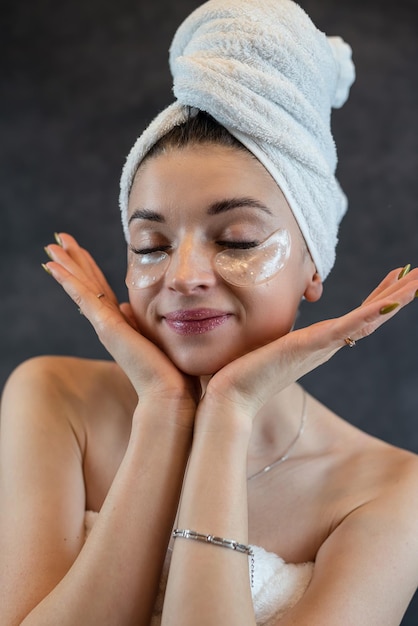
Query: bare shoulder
{"type": "Point", "coordinates": [85, 407]}
{"type": "Point", "coordinates": [385, 508]}
{"type": "Point", "coordinates": [383, 477]}
{"type": "Point", "coordinates": [51, 467]}
{"type": "Point", "coordinates": [64, 373]}
{"type": "Point", "coordinates": [400, 483]}
{"type": "Point", "coordinates": [79, 381]}
{"type": "Point", "coordinates": [386, 470]}
{"type": "Point", "coordinates": [368, 563]}
{"type": "Point", "coordinates": [78, 390]}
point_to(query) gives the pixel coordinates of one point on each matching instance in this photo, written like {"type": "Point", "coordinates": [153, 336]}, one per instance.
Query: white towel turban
{"type": "Point", "coordinates": [265, 72]}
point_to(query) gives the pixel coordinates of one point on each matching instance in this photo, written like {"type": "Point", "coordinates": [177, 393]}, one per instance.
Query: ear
{"type": "Point", "coordinates": [314, 288]}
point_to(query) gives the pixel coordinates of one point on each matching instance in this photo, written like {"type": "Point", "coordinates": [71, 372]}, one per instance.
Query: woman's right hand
{"type": "Point", "coordinates": [150, 371]}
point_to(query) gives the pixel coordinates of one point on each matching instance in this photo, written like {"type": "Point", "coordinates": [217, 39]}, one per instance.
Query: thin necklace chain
{"type": "Point", "coordinates": [290, 447]}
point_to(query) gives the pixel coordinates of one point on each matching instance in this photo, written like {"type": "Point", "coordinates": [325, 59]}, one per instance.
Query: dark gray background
{"type": "Point", "coordinates": [79, 82]}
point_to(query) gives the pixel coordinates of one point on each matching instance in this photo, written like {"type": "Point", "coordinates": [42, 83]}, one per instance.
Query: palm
{"type": "Point", "coordinates": [148, 368]}
{"type": "Point", "coordinates": [252, 379]}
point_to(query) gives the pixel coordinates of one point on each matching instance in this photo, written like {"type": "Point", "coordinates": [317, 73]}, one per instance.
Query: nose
{"type": "Point", "coordinates": [191, 267]}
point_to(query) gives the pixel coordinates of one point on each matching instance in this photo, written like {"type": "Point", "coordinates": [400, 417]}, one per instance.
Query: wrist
{"type": "Point", "coordinates": [214, 497]}
{"type": "Point", "coordinates": [222, 415]}
{"type": "Point", "coordinates": [164, 415]}
{"type": "Point", "coordinates": [223, 423]}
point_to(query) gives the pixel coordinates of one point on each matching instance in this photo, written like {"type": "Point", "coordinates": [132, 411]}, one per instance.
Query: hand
{"type": "Point", "coordinates": [251, 380]}
{"type": "Point", "coordinates": [148, 368]}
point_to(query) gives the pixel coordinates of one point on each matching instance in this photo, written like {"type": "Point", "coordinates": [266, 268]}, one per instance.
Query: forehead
{"type": "Point", "coordinates": [195, 177]}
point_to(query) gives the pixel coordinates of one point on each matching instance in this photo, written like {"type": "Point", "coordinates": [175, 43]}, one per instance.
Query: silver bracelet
{"type": "Point", "coordinates": [217, 541]}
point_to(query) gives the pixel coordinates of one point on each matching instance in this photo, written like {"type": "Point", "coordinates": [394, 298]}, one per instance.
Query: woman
{"type": "Point", "coordinates": [199, 425]}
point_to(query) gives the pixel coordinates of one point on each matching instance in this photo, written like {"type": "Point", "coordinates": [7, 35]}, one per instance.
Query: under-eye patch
{"type": "Point", "coordinates": [253, 266]}
{"type": "Point", "coordinates": [145, 270]}
{"type": "Point", "coordinates": [242, 267]}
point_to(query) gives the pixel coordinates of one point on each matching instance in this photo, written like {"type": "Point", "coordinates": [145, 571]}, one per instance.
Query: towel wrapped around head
{"type": "Point", "coordinates": [270, 77]}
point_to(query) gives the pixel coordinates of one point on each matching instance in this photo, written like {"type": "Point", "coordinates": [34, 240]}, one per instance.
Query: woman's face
{"type": "Point", "coordinates": [186, 207]}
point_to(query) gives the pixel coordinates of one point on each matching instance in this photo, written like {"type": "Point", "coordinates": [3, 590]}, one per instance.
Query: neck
{"type": "Point", "coordinates": [275, 428]}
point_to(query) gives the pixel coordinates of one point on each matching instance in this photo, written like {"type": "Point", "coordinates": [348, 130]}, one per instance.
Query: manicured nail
{"type": "Point", "coordinates": [46, 268]}
{"type": "Point", "coordinates": [416, 294]}
{"type": "Point", "coordinates": [389, 308]}
{"type": "Point", "coordinates": [48, 253]}
{"type": "Point", "coordinates": [58, 239]}
{"type": "Point", "coordinates": [404, 271]}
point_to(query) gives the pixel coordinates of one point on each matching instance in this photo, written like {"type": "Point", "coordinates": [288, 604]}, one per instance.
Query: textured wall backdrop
{"type": "Point", "coordinates": [79, 82]}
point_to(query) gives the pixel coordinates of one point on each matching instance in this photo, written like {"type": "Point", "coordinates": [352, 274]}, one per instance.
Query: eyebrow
{"type": "Point", "coordinates": [216, 208]}
{"type": "Point", "coordinates": [223, 206]}
{"type": "Point", "coordinates": [146, 214]}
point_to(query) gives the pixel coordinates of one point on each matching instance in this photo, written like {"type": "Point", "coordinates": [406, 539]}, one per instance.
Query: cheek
{"type": "Point", "coordinates": [271, 310]}
{"type": "Point", "coordinates": [141, 304]}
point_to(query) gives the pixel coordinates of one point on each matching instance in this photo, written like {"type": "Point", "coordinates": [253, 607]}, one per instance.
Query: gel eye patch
{"type": "Point", "coordinates": [237, 266]}
{"type": "Point", "coordinates": [257, 265]}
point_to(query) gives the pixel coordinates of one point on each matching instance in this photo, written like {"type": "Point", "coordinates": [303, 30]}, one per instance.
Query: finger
{"type": "Point", "coordinates": [81, 265]}
{"type": "Point", "coordinates": [97, 273]}
{"type": "Point", "coordinates": [81, 256]}
{"type": "Point", "coordinates": [389, 299]}
{"type": "Point", "coordinates": [118, 337]}
{"type": "Point", "coordinates": [68, 243]}
{"type": "Point", "coordinates": [391, 282]}
{"type": "Point", "coordinates": [74, 266]}
{"type": "Point", "coordinates": [76, 253]}
{"type": "Point", "coordinates": [271, 368]}
{"type": "Point", "coordinates": [150, 371]}
{"type": "Point", "coordinates": [373, 313]}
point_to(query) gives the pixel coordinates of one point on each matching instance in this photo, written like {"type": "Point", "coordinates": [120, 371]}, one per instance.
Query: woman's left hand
{"type": "Point", "coordinates": [251, 380]}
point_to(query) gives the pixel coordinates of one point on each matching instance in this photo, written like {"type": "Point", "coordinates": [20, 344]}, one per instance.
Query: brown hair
{"type": "Point", "coordinates": [199, 128]}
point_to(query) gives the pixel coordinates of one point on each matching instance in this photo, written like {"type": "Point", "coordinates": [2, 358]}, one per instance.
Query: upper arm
{"type": "Point", "coordinates": [366, 572]}
{"type": "Point", "coordinates": [42, 496]}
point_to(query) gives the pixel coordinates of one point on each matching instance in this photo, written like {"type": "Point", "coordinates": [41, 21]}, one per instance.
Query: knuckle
{"type": "Point", "coordinates": [107, 329]}
{"type": "Point", "coordinates": [78, 300]}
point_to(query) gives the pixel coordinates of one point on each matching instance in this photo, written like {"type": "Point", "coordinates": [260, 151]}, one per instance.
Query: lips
{"type": "Point", "coordinates": [195, 321]}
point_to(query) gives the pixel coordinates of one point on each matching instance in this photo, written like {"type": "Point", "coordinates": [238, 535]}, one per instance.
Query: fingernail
{"type": "Point", "coordinates": [416, 294]}
{"type": "Point", "coordinates": [404, 271]}
{"type": "Point", "coordinates": [58, 239]}
{"type": "Point", "coordinates": [46, 268]}
{"type": "Point", "coordinates": [48, 252]}
{"type": "Point", "coordinates": [389, 308]}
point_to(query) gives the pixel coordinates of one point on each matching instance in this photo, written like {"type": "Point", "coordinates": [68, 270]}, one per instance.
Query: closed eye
{"type": "Point", "coordinates": [151, 250]}
{"type": "Point", "coordinates": [240, 245]}
{"type": "Point", "coordinates": [235, 245]}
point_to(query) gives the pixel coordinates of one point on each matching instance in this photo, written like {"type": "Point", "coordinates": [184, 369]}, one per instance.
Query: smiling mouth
{"type": "Point", "coordinates": [196, 322]}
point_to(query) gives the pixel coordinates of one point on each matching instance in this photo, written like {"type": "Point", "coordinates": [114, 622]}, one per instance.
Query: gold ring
{"type": "Point", "coordinates": [349, 342]}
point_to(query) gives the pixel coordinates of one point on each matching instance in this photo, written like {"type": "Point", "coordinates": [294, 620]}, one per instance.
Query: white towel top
{"type": "Point", "coordinates": [266, 73]}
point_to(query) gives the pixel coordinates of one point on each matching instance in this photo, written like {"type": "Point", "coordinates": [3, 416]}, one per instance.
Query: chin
{"type": "Point", "coordinates": [199, 369]}
{"type": "Point", "coordinates": [202, 364]}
